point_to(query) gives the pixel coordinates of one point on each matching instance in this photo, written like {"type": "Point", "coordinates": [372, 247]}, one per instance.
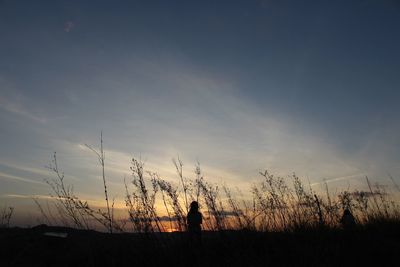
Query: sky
{"type": "Point", "coordinates": [310, 87]}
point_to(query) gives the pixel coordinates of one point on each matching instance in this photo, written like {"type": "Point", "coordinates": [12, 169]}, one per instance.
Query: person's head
{"type": "Point", "coordinates": [194, 206]}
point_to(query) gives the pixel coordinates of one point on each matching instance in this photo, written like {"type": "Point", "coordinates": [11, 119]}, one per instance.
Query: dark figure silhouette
{"type": "Point", "coordinates": [347, 221]}
{"type": "Point", "coordinates": [194, 221]}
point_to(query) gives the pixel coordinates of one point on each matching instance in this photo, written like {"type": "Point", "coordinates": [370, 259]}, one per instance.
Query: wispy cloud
{"type": "Point", "coordinates": [15, 101]}
{"type": "Point", "coordinates": [341, 178]}
{"type": "Point", "coordinates": [18, 109]}
{"type": "Point", "coordinates": [94, 203]}
{"type": "Point", "coordinates": [38, 171]}
{"type": "Point", "coordinates": [26, 196]}
{"type": "Point", "coordinates": [232, 138]}
{"type": "Point", "coordinates": [19, 178]}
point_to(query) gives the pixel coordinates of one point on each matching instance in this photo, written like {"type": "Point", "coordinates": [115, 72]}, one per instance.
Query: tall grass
{"type": "Point", "coordinates": [70, 209]}
{"type": "Point", "coordinates": [276, 203]}
{"type": "Point", "coordinates": [5, 216]}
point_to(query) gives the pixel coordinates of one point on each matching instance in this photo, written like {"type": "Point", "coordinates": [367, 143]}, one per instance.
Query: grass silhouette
{"type": "Point", "coordinates": [276, 203]}
{"type": "Point", "coordinates": [282, 223]}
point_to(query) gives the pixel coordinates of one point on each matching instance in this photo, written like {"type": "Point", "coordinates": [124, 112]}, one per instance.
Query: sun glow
{"type": "Point", "coordinates": [171, 230]}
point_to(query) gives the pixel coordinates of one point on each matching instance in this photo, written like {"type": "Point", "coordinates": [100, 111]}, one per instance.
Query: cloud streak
{"type": "Point", "coordinates": [18, 109]}
{"type": "Point", "coordinates": [42, 172]}
{"type": "Point", "coordinates": [27, 196]}
{"type": "Point", "coordinates": [19, 178]}
{"type": "Point", "coordinates": [341, 178]}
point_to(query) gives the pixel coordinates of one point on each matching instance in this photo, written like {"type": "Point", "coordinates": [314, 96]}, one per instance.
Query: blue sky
{"type": "Point", "coordinates": [240, 86]}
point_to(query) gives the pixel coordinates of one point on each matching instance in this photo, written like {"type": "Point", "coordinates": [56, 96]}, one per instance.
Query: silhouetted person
{"type": "Point", "coordinates": [194, 221]}
{"type": "Point", "coordinates": [347, 220]}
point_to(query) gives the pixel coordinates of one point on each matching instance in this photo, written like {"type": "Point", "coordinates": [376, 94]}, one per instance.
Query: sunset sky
{"type": "Point", "coordinates": [311, 87]}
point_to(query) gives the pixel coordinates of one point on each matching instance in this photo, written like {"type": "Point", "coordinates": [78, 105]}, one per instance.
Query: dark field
{"type": "Point", "coordinates": [372, 245]}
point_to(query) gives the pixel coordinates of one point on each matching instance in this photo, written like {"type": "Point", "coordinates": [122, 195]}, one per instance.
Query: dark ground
{"type": "Point", "coordinates": [373, 245]}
